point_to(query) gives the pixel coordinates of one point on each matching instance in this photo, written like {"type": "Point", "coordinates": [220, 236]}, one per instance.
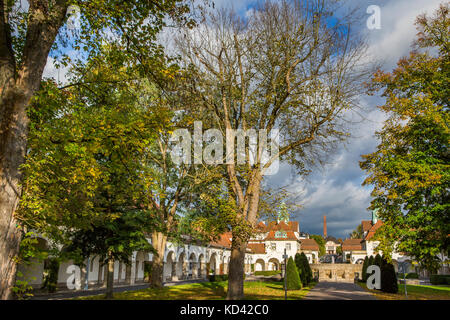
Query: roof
{"type": "Point", "coordinates": [223, 241]}
{"type": "Point", "coordinates": [309, 244]}
{"type": "Point", "coordinates": [274, 226]}
{"type": "Point", "coordinates": [366, 225]}
{"type": "Point", "coordinates": [257, 248]}
{"type": "Point", "coordinates": [281, 235]}
{"type": "Point", "coordinates": [373, 229]}
{"type": "Point", "coordinates": [352, 245]}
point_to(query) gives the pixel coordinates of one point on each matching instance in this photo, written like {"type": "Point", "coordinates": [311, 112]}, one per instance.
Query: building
{"type": "Point", "coordinates": [192, 259]}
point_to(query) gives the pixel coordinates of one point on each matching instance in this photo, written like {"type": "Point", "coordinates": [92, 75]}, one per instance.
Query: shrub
{"type": "Point", "coordinates": [412, 276]}
{"type": "Point", "coordinates": [51, 275]}
{"type": "Point", "coordinates": [267, 273]}
{"type": "Point", "coordinates": [293, 279]}
{"type": "Point", "coordinates": [219, 277]}
{"type": "Point", "coordinates": [300, 267]}
{"type": "Point", "coordinates": [440, 279]}
{"type": "Point", "coordinates": [307, 270]}
{"type": "Point", "coordinates": [378, 260]}
{"type": "Point", "coordinates": [389, 282]}
{"type": "Point", "coordinates": [364, 269]}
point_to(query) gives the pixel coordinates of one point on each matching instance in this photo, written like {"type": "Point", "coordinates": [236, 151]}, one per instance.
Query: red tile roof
{"type": "Point", "coordinates": [274, 226]}
{"type": "Point", "coordinates": [366, 225]}
{"type": "Point", "coordinates": [309, 244]}
{"type": "Point", "coordinates": [223, 241]}
{"type": "Point", "coordinates": [257, 248]}
{"type": "Point", "coordinates": [373, 229]}
{"type": "Point", "coordinates": [352, 245]}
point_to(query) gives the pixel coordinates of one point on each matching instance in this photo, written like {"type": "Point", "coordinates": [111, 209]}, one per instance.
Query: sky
{"type": "Point", "coordinates": [336, 190]}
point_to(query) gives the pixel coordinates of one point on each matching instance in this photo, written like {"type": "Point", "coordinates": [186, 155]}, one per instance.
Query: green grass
{"type": "Point", "coordinates": [415, 292]}
{"type": "Point", "coordinates": [253, 290]}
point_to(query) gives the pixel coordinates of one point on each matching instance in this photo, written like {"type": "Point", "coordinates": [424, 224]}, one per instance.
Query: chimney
{"type": "Point", "coordinates": [324, 226]}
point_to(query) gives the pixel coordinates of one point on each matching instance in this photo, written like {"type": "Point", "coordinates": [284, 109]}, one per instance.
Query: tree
{"type": "Point", "coordinates": [357, 233]}
{"type": "Point", "coordinates": [321, 242]}
{"type": "Point", "coordinates": [293, 280]}
{"type": "Point", "coordinates": [27, 36]}
{"type": "Point", "coordinates": [410, 168]}
{"type": "Point", "coordinates": [285, 66]}
{"type": "Point", "coordinates": [114, 240]}
{"type": "Point", "coordinates": [364, 269]}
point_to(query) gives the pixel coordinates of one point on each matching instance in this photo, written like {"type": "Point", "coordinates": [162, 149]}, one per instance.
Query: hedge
{"type": "Point", "coordinates": [440, 279]}
{"type": "Point", "coordinates": [267, 273]}
{"type": "Point", "coordinates": [218, 277]}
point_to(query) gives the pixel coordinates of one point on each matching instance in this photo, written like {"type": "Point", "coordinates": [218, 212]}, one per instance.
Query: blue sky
{"type": "Point", "coordinates": [336, 191]}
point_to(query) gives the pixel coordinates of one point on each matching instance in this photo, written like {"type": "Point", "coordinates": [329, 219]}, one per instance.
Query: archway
{"type": "Point", "coordinates": [260, 265]}
{"type": "Point", "coordinates": [273, 264]}
{"type": "Point", "coordinates": [192, 270]}
{"type": "Point", "coordinates": [169, 267]}
{"type": "Point", "coordinates": [201, 266]}
{"type": "Point", "coordinates": [181, 266]}
{"type": "Point", "coordinates": [213, 263]}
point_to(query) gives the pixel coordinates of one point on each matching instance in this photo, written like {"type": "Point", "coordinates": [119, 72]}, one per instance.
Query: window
{"type": "Point", "coordinates": [273, 246]}
{"type": "Point", "coordinates": [288, 246]}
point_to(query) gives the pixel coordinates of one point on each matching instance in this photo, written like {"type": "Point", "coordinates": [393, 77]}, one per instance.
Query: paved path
{"type": "Point", "coordinates": [95, 291]}
{"type": "Point", "coordinates": [338, 291]}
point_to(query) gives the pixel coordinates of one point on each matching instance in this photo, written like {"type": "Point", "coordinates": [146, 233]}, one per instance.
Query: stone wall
{"type": "Point", "coordinates": [337, 272]}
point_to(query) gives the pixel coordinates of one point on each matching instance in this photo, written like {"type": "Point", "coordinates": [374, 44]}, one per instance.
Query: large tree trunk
{"type": "Point", "coordinates": [239, 244]}
{"type": "Point", "coordinates": [236, 270]}
{"type": "Point", "coordinates": [159, 243]}
{"type": "Point", "coordinates": [16, 90]}
{"type": "Point", "coordinates": [110, 277]}
{"type": "Point", "coordinates": [13, 141]}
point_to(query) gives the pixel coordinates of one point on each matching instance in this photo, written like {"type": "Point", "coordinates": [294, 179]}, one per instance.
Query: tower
{"type": "Point", "coordinates": [374, 216]}
{"type": "Point", "coordinates": [324, 226]}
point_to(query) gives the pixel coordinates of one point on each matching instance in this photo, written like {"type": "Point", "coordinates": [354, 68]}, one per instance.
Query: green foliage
{"type": "Point", "coordinates": [364, 269]}
{"type": "Point", "coordinates": [304, 270]}
{"type": "Point", "coordinates": [321, 242]}
{"type": "Point", "coordinates": [267, 273]}
{"type": "Point", "coordinates": [378, 260]}
{"type": "Point", "coordinates": [218, 277]}
{"type": "Point", "coordinates": [389, 282]}
{"type": "Point", "coordinates": [51, 269]}
{"type": "Point", "coordinates": [292, 277]}
{"type": "Point", "coordinates": [410, 169]}
{"type": "Point", "coordinates": [371, 260]}
{"type": "Point", "coordinates": [440, 279]}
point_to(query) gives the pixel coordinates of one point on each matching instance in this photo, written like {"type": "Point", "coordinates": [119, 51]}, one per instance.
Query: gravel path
{"type": "Point", "coordinates": [338, 291]}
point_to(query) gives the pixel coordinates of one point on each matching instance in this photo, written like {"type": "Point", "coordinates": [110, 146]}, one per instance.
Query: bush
{"type": "Point", "coordinates": [364, 269]}
{"type": "Point", "coordinates": [440, 279]}
{"type": "Point", "coordinates": [51, 267]}
{"type": "Point", "coordinates": [300, 267]}
{"type": "Point", "coordinates": [412, 276]}
{"type": "Point", "coordinates": [219, 277]}
{"type": "Point", "coordinates": [267, 273]}
{"type": "Point", "coordinates": [306, 269]}
{"type": "Point", "coordinates": [293, 279]}
{"type": "Point", "coordinates": [389, 282]}
{"type": "Point", "coordinates": [378, 260]}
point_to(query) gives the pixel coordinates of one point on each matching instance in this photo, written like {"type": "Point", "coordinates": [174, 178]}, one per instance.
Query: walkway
{"type": "Point", "coordinates": [62, 295]}
{"type": "Point", "coordinates": [338, 291]}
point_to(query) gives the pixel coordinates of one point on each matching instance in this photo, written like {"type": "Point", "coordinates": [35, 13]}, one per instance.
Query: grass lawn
{"type": "Point", "coordinates": [253, 290]}
{"type": "Point", "coordinates": [415, 292]}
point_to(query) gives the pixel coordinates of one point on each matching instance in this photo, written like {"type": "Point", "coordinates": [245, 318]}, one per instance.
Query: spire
{"type": "Point", "coordinates": [374, 216]}
{"type": "Point", "coordinates": [283, 214]}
